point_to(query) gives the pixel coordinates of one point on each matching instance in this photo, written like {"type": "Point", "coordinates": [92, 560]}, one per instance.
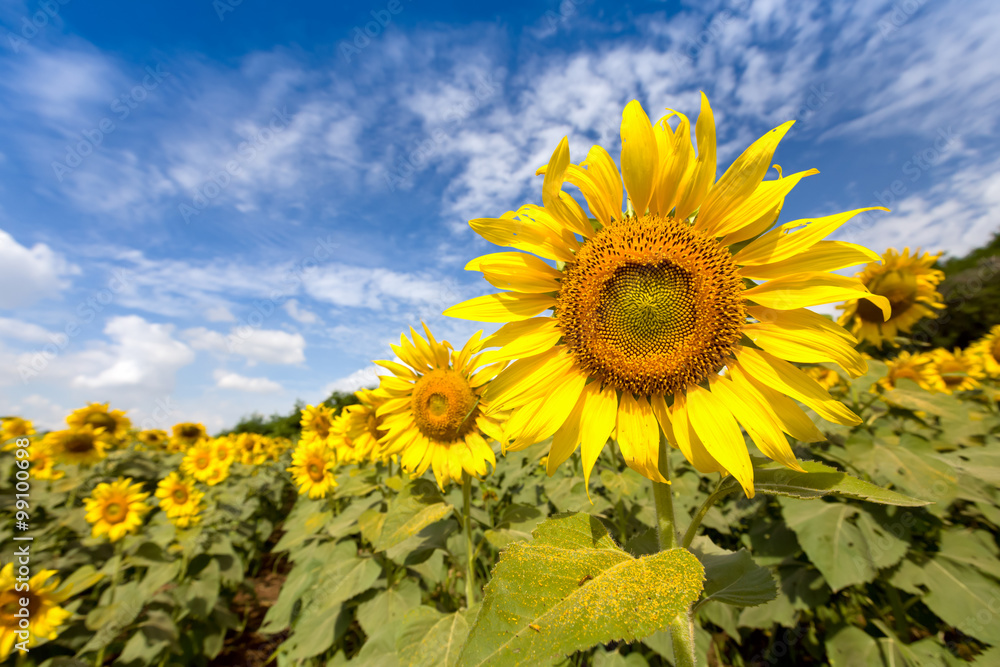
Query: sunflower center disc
{"type": "Point", "coordinates": [899, 287]}
{"type": "Point", "coordinates": [180, 496]}
{"type": "Point", "coordinates": [651, 306]}
{"type": "Point", "coordinates": [113, 513]}
{"type": "Point", "coordinates": [315, 472]}
{"type": "Point", "coordinates": [444, 405]}
{"type": "Point", "coordinates": [102, 420]}
{"type": "Point", "coordinates": [80, 443]}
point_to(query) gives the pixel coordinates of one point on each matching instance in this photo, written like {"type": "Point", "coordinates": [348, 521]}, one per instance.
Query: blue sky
{"type": "Point", "coordinates": [209, 208]}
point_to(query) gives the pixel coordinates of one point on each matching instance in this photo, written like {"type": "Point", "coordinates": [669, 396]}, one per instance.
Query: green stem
{"type": "Point", "coordinates": [696, 520]}
{"type": "Point", "coordinates": [682, 626]}
{"type": "Point", "coordinates": [898, 614]}
{"type": "Point", "coordinates": [470, 570]}
{"type": "Point", "coordinates": [111, 595]}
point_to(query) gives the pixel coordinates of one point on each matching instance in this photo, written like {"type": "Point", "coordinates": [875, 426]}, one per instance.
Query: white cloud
{"type": "Point", "coordinates": [362, 287]}
{"type": "Point", "coordinates": [364, 377]}
{"type": "Point", "coordinates": [270, 346]}
{"type": "Point", "coordinates": [143, 355]}
{"type": "Point", "coordinates": [300, 314]}
{"type": "Point", "coordinates": [11, 329]}
{"type": "Point", "coordinates": [257, 385]}
{"type": "Point", "coordinates": [30, 274]}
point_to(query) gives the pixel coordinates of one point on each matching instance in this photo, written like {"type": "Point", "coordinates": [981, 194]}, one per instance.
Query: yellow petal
{"type": "Point", "coordinates": [717, 428]}
{"type": "Point", "coordinates": [527, 379]}
{"type": "Point", "coordinates": [789, 380]}
{"type": "Point", "coordinates": [638, 436]}
{"type": "Point", "coordinates": [517, 271]}
{"type": "Point", "coordinates": [740, 180]}
{"type": "Point", "coordinates": [526, 338]}
{"type": "Point", "coordinates": [639, 156]}
{"type": "Point", "coordinates": [558, 203]}
{"type": "Point", "coordinates": [800, 318]}
{"type": "Point", "coordinates": [596, 425]}
{"type": "Point", "coordinates": [806, 346]}
{"type": "Point", "coordinates": [748, 219]}
{"type": "Point", "coordinates": [781, 243]}
{"type": "Point", "coordinates": [811, 289]}
{"type": "Point", "coordinates": [662, 412]}
{"type": "Point", "coordinates": [566, 439]}
{"type": "Point", "coordinates": [688, 441]}
{"type": "Point", "coordinates": [677, 162]}
{"type": "Point", "coordinates": [605, 174]}
{"type": "Point", "coordinates": [520, 231]}
{"type": "Point", "coordinates": [823, 256]}
{"type": "Point", "coordinates": [757, 418]}
{"type": "Point", "coordinates": [397, 369]}
{"type": "Point", "coordinates": [703, 175]}
{"type": "Point", "coordinates": [539, 419]}
{"type": "Point", "coordinates": [502, 307]}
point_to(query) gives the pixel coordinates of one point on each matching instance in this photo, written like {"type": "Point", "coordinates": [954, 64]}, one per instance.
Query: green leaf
{"type": "Point", "coordinates": [572, 587]}
{"type": "Point", "coordinates": [914, 468]}
{"type": "Point", "coordinates": [388, 606]}
{"type": "Point", "coordinates": [733, 577]}
{"type": "Point", "coordinates": [417, 506]}
{"type": "Point", "coordinates": [820, 480]}
{"type": "Point", "coordinates": [429, 638]}
{"type": "Point", "coordinates": [844, 541]}
{"type": "Point", "coordinates": [963, 597]}
{"type": "Point", "coordinates": [853, 647]}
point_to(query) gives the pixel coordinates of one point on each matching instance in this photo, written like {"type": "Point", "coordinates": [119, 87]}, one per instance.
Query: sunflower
{"type": "Point", "coordinates": [906, 366]}
{"type": "Point", "coordinates": [13, 428]}
{"type": "Point", "coordinates": [43, 463]}
{"type": "Point", "coordinates": [98, 415]}
{"type": "Point", "coordinates": [185, 435]}
{"type": "Point", "coordinates": [651, 304]}
{"type": "Point", "coordinates": [199, 460]}
{"type": "Point", "coordinates": [180, 500]}
{"type": "Point", "coordinates": [153, 438]}
{"type": "Point", "coordinates": [313, 468]}
{"type": "Point", "coordinates": [217, 472]}
{"type": "Point", "coordinates": [361, 427]}
{"type": "Point", "coordinates": [223, 451]}
{"type": "Point", "coordinates": [44, 613]}
{"type": "Point", "coordinates": [953, 371]}
{"type": "Point", "coordinates": [827, 377]}
{"type": "Point", "coordinates": [434, 414]}
{"type": "Point", "coordinates": [85, 445]}
{"type": "Point", "coordinates": [908, 282]}
{"type": "Point", "coordinates": [116, 509]}
{"type": "Point", "coordinates": [987, 349]}
{"type": "Point", "coordinates": [316, 422]}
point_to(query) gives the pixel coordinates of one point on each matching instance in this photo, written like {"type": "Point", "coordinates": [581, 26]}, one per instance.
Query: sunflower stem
{"type": "Point", "coordinates": [470, 570]}
{"type": "Point", "coordinates": [682, 626]}
{"type": "Point", "coordinates": [696, 520]}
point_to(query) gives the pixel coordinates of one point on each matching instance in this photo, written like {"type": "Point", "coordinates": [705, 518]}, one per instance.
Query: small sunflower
{"type": "Point", "coordinates": [906, 366]}
{"type": "Point", "coordinates": [180, 500]}
{"type": "Point", "coordinates": [116, 509]}
{"type": "Point", "coordinates": [43, 463]}
{"type": "Point", "coordinates": [908, 282]}
{"type": "Point", "coordinates": [199, 460]}
{"type": "Point", "coordinates": [651, 303]}
{"type": "Point", "coordinates": [316, 422]}
{"type": "Point", "coordinates": [987, 349]}
{"type": "Point", "coordinates": [155, 439]}
{"type": "Point", "coordinates": [953, 371]}
{"type": "Point", "coordinates": [313, 468]}
{"type": "Point", "coordinates": [13, 428]}
{"type": "Point", "coordinates": [362, 426]}
{"type": "Point", "coordinates": [185, 435]}
{"type": "Point", "coordinates": [44, 613]}
{"type": "Point", "coordinates": [216, 473]}
{"type": "Point", "coordinates": [98, 415]}
{"type": "Point", "coordinates": [827, 377]}
{"type": "Point", "coordinates": [223, 451]}
{"type": "Point", "coordinates": [85, 445]}
{"type": "Point", "coordinates": [434, 414]}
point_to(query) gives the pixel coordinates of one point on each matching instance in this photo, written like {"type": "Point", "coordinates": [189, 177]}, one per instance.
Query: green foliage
{"type": "Point", "coordinates": [287, 426]}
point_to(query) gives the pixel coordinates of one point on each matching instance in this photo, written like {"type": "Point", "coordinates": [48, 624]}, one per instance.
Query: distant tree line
{"type": "Point", "coordinates": [287, 425]}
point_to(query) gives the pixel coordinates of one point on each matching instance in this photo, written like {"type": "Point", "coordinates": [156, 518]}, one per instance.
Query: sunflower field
{"type": "Point", "coordinates": [662, 456]}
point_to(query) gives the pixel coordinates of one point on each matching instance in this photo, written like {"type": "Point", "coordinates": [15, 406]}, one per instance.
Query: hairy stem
{"type": "Point", "coordinates": [470, 569]}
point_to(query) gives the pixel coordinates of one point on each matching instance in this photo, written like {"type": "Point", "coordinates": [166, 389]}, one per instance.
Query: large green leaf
{"type": "Point", "coordinates": [820, 480]}
{"type": "Point", "coordinates": [733, 577]}
{"type": "Point", "coordinates": [909, 464]}
{"type": "Point", "coordinates": [388, 606]}
{"type": "Point", "coordinates": [844, 541]}
{"type": "Point", "coordinates": [417, 506]}
{"type": "Point", "coordinates": [853, 647]}
{"type": "Point", "coordinates": [963, 597]}
{"type": "Point", "coordinates": [429, 638]}
{"type": "Point", "coordinates": [572, 587]}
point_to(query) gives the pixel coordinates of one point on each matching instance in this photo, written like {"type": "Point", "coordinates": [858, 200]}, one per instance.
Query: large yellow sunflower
{"type": "Point", "coordinates": [908, 282]}
{"type": "Point", "coordinates": [949, 372]}
{"type": "Point", "coordinates": [987, 349]}
{"type": "Point", "coordinates": [434, 414]}
{"type": "Point", "coordinates": [84, 446]}
{"type": "Point", "coordinates": [906, 366]}
{"type": "Point", "coordinates": [313, 468]}
{"type": "Point", "coordinates": [116, 509]}
{"type": "Point", "coordinates": [361, 427]}
{"type": "Point", "coordinates": [180, 500]}
{"type": "Point", "coordinates": [652, 303]}
{"type": "Point", "coordinates": [185, 435]}
{"type": "Point", "coordinates": [44, 613]}
{"type": "Point", "coordinates": [98, 415]}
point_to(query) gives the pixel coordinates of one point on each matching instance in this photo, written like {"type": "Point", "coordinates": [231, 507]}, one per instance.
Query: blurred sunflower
{"type": "Point", "coordinates": [827, 377]}
{"type": "Point", "coordinates": [313, 468]}
{"type": "Point", "coordinates": [185, 435]}
{"type": "Point", "coordinates": [362, 427]}
{"type": "Point", "coordinates": [83, 446]}
{"type": "Point", "coordinates": [223, 451]}
{"type": "Point", "coordinates": [908, 282]}
{"type": "Point", "coordinates": [199, 461]}
{"type": "Point", "coordinates": [180, 500]}
{"type": "Point", "coordinates": [216, 473]}
{"type": "Point", "coordinates": [153, 438]}
{"type": "Point", "coordinates": [44, 613]}
{"type": "Point", "coordinates": [987, 349]}
{"type": "Point", "coordinates": [434, 414]}
{"type": "Point", "coordinates": [43, 463]}
{"type": "Point", "coordinates": [116, 509]}
{"type": "Point", "coordinates": [906, 366]}
{"type": "Point", "coordinates": [12, 428]}
{"type": "Point", "coordinates": [949, 372]}
{"type": "Point", "coordinates": [98, 415]}
{"type": "Point", "coordinates": [650, 304]}
{"type": "Point", "coordinates": [316, 422]}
